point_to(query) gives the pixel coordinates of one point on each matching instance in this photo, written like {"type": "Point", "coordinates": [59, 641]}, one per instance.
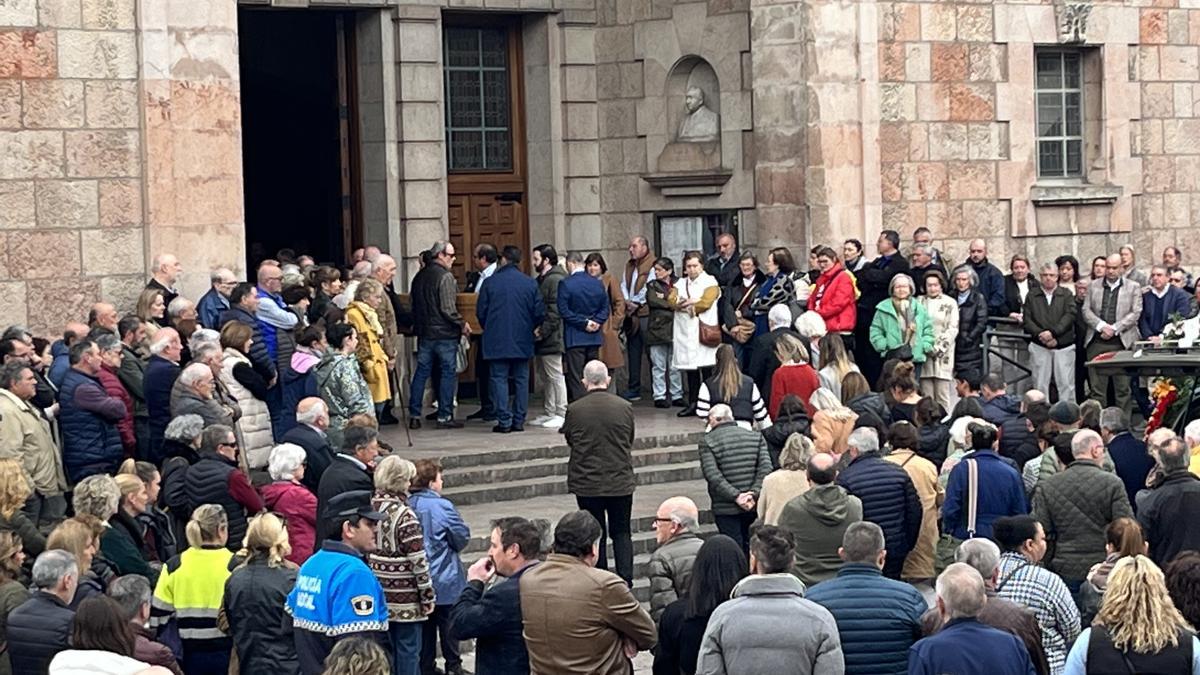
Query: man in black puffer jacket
{"type": "Point", "coordinates": [888, 496]}
{"type": "Point", "coordinates": [1018, 436]}
{"type": "Point", "coordinates": [41, 626]}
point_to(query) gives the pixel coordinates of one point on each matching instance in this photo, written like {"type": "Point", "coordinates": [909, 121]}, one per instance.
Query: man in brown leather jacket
{"type": "Point", "coordinates": [578, 619]}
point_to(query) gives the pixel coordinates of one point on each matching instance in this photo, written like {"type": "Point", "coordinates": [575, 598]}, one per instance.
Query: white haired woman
{"type": "Point", "coordinates": [789, 481]}
{"type": "Point", "coordinates": [832, 422]}
{"type": "Point", "coordinates": [901, 328]}
{"type": "Point", "coordinates": [399, 562]}
{"type": "Point", "coordinates": [289, 497]}
{"type": "Point", "coordinates": [972, 321]}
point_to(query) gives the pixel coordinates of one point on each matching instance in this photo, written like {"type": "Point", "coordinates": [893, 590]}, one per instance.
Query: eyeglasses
{"type": "Point", "coordinates": [662, 520]}
{"type": "Point", "coordinates": [230, 444]}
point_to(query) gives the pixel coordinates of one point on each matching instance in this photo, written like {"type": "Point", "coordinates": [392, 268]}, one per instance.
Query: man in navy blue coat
{"type": "Point", "coordinates": [1159, 302]}
{"type": "Point", "coordinates": [965, 645]}
{"type": "Point", "coordinates": [509, 309]}
{"type": "Point", "coordinates": [583, 306]}
{"type": "Point", "coordinates": [492, 616]}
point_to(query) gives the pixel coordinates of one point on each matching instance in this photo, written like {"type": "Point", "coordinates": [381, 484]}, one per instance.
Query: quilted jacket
{"type": "Point", "coordinates": [889, 500]}
{"type": "Point", "coordinates": [1075, 506]}
{"type": "Point", "coordinates": [670, 571]}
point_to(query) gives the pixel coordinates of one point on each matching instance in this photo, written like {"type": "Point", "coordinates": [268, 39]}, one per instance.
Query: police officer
{"type": "Point", "coordinates": [336, 595]}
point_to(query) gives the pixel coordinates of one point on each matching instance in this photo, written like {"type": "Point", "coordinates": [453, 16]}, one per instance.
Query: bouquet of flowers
{"type": "Point", "coordinates": [1164, 394]}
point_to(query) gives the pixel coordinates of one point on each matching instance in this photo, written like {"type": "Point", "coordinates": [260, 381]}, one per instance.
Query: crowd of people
{"type": "Point", "coordinates": [200, 486]}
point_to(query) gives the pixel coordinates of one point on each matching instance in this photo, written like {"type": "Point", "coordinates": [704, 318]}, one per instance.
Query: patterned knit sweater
{"type": "Point", "coordinates": [399, 560]}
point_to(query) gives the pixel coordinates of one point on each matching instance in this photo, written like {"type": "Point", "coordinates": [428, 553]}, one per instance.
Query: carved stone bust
{"type": "Point", "coordinates": [700, 125]}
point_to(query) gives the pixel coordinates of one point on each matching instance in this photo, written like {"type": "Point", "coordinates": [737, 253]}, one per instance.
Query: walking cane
{"type": "Point", "coordinates": [395, 378]}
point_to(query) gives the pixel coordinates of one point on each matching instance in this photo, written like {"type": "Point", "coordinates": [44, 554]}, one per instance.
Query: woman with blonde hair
{"type": "Point", "coordinates": [1122, 538]}
{"type": "Point", "coordinates": [249, 387]}
{"type": "Point", "coordinates": [14, 492]}
{"type": "Point", "coordinates": [357, 656]}
{"type": "Point", "coordinates": [160, 533]}
{"type": "Point", "coordinates": [372, 360]}
{"type": "Point", "coordinates": [789, 481]}
{"type": "Point", "coordinates": [832, 422]}
{"type": "Point", "coordinates": [192, 585]}
{"type": "Point", "coordinates": [151, 308]}
{"type": "Point", "coordinates": [124, 541]}
{"type": "Point", "coordinates": [729, 386]}
{"type": "Point", "coordinates": [12, 592]}
{"type": "Point", "coordinates": [399, 560]}
{"type": "Point", "coordinates": [255, 594]}
{"type": "Point", "coordinates": [1138, 628]}
{"type": "Point", "coordinates": [80, 536]}
{"type": "Point", "coordinates": [795, 374]}
{"type": "Point", "coordinates": [835, 363]}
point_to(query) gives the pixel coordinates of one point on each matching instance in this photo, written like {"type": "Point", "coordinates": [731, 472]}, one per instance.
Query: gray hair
{"type": "Point", "coordinates": [131, 592]}
{"type": "Point", "coordinates": [203, 336]}
{"type": "Point", "coordinates": [362, 270]}
{"type": "Point", "coordinates": [161, 339]}
{"type": "Point", "coordinates": [193, 373]}
{"type": "Point", "coordinates": [1032, 396]}
{"type": "Point", "coordinates": [961, 589]}
{"type": "Point", "coordinates": [1173, 454]}
{"type": "Point", "coordinates": [595, 373]}
{"type": "Point", "coordinates": [922, 248]}
{"type": "Point", "coordinates": [779, 317]}
{"type": "Point", "coordinates": [796, 452]}
{"type": "Point", "coordinates": [285, 459]}
{"type": "Point", "coordinates": [967, 270]}
{"type": "Point", "coordinates": [1191, 433]}
{"type": "Point", "coordinates": [902, 279]}
{"type": "Point", "coordinates": [862, 542]}
{"type": "Point", "coordinates": [97, 495]}
{"type": "Point", "coordinates": [719, 414]}
{"type": "Point", "coordinates": [185, 428]}
{"type": "Point", "coordinates": [1113, 419]}
{"type": "Point", "coordinates": [394, 474]}
{"type": "Point", "coordinates": [214, 435]}
{"type": "Point", "coordinates": [684, 519]}
{"type": "Point", "coordinates": [201, 352]}
{"type": "Point", "coordinates": [1082, 442]}
{"type": "Point", "coordinates": [50, 568]}
{"type": "Point", "coordinates": [11, 372]}
{"type": "Point", "coordinates": [1050, 267]}
{"type": "Point", "coordinates": [810, 325]}
{"type": "Point", "coordinates": [971, 274]}
{"type": "Point", "coordinates": [178, 305]}
{"type": "Point", "coordinates": [314, 413]}
{"type": "Point", "coordinates": [108, 342]}
{"type": "Point", "coordinates": [865, 440]}
{"type": "Point", "coordinates": [980, 553]}
{"type": "Point", "coordinates": [220, 275]}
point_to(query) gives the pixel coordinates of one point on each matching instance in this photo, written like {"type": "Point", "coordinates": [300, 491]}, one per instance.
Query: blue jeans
{"type": "Point", "coordinates": [446, 353]}
{"type": "Point", "coordinates": [406, 647]}
{"type": "Point", "coordinates": [500, 372]}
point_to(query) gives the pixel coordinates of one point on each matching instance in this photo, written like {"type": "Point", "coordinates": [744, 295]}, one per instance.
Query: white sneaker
{"type": "Point", "coordinates": [555, 422]}
{"type": "Point", "coordinates": [539, 420]}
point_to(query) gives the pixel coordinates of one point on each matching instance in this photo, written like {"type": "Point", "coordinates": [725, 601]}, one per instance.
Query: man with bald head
{"type": "Point", "coordinates": [273, 316]}
{"type": "Point", "coordinates": [670, 569]}
{"type": "Point", "coordinates": [1111, 311]}
{"type": "Point", "coordinates": [312, 419]}
{"type": "Point", "coordinates": [383, 270]}
{"type": "Point", "coordinates": [164, 274]}
{"type": "Point", "coordinates": [103, 315]}
{"type": "Point", "coordinates": [216, 300]}
{"type": "Point", "coordinates": [991, 280]}
{"type": "Point", "coordinates": [818, 520]}
{"type": "Point", "coordinates": [72, 333]}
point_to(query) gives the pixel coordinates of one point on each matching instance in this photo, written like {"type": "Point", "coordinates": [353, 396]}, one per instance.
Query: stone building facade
{"type": "Point", "coordinates": [1044, 127]}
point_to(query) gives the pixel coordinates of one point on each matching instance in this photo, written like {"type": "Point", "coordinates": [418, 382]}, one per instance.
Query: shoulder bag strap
{"type": "Point", "coordinates": [1010, 575]}
{"type": "Point", "coordinates": [972, 496]}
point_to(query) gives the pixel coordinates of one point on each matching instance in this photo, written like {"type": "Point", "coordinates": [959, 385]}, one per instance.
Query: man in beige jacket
{"type": "Point", "coordinates": [25, 435]}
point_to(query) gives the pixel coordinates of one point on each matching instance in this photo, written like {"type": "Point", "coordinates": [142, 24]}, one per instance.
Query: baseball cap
{"type": "Point", "coordinates": [353, 504]}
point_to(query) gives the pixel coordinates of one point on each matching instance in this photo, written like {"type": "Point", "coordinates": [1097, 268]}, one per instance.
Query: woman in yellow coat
{"type": "Point", "coordinates": [371, 358]}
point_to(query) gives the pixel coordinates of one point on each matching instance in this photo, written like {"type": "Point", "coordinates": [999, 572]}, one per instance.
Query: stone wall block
{"type": "Point", "coordinates": [897, 102]}
{"type": "Point", "coordinates": [17, 205]}
{"type": "Point", "coordinates": [28, 53]}
{"type": "Point", "coordinates": [111, 104]}
{"type": "Point", "coordinates": [13, 309]}
{"type": "Point", "coordinates": [1179, 64]}
{"type": "Point", "coordinates": [933, 102]}
{"type": "Point", "coordinates": [201, 105]}
{"type": "Point", "coordinates": [31, 154]}
{"type": "Point", "coordinates": [18, 13]}
{"type": "Point", "coordinates": [948, 141]}
{"type": "Point", "coordinates": [112, 14]}
{"type": "Point", "coordinates": [972, 180]}
{"type": "Point", "coordinates": [52, 104]}
{"type": "Point", "coordinates": [893, 141]}
{"type": "Point", "coordinates": [63, 203]}
{"type": "Point", "coordinates": [43, 254]}
{"type": "Point", "coordinates": [59, 13]}
{"type": "Point", "coordinates": [120, 202]}
{"type": "Point", "coordinates": [950, 62]}
{"type": "Point", "coordinates": [618, 193]}
{"type": "Point", "coordinates": [10, 104]}
{"type": "Point", "coordinates": [206, 153]}
{"type": "Point", "coordinates": [1185, 103]}
{"type": "Point", "coordinates": [102, 154]}
{"type": "Point", "coordinates": [111, 250]}
{"type": "Point", "coordinates": [972, 102]}
{"type": "Point", "coordinates": [975, 23]}
{"type": "Point", "coordinates": [1156, 173]}
{"type": "Point", "coordinates": [123, 290]}
{"type": "Point", "coordinates": [419, 41]}
{"type": "Point", "coordinates": [917, 59]}
{"type": "Point", "coordinates": [97, 55]}
{"type": "Point", "coordinates": [900, 21]}
{"type": "Point", "coordinates": [892, 62]}
{"type": "Point", "coordinates": [56, 299]}
{"type": "Point", "coordinates": [583, 195]}
{"type": "Point", "coordinates": [938, 21]}
{"type": "Point", "coordinates": [1181, 136]}
{"type": "Point", "coordinates": [1158, 100]}
{"type": "Point", "coordinates": [618, 118]}
{"type": "Point", "coordinates": [986, 63]}
{"type": "Point", "coordinates": [634, 155]}
{"type": "Point", "coordinates": [1153, 26]}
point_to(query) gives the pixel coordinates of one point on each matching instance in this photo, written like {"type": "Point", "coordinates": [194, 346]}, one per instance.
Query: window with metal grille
{"type": "Point", "coordinates": [478, 125]}
{"type": "Point", "coordinates": [1059, 113]}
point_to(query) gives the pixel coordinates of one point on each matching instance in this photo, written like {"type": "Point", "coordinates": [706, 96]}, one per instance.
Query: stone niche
{"type": "Point", "coordinates": [690, 162]}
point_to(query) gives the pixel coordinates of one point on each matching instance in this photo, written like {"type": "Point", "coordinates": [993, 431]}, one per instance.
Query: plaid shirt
{"type": "Point", "coordinates": [1045, 593]}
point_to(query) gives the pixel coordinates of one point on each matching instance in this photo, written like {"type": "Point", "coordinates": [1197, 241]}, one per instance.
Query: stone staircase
{"type": "Point", "coordinates": [532, 482]}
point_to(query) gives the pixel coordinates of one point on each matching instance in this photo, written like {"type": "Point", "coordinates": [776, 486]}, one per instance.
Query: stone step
{"type": "Point", "coordinates": [552, 446]}
{"type": "Point", "coordinates": [557, 485]}
{"type": "Point", "coordinates": [528, 468]}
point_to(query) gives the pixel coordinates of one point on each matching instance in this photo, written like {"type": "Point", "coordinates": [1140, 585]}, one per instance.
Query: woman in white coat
{"type": "Point", "coordinates": [249, 388]}
{"type": "Point", "coordinates": [694, 298]}
{"type": "Point", "coordinates": [937, 375]}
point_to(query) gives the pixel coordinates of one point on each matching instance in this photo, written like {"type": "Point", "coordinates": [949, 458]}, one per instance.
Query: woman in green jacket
{"type": "Point", "coordinates": [900, 321]}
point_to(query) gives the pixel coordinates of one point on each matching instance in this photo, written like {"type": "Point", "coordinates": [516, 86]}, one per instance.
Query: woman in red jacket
{"type": "Point", "coordinates": [794, 376]}
{"type": "Point", "coordinates": [834, 295]}
{"type": "Point", "coordinates": [288, 497]}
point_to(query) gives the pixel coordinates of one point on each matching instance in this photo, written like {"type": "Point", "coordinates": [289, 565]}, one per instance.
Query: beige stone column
{"type": "Point", "coordinates": [191, 119]}
{"type": "Point", "coordinates": [584, 230]}
{"type": "Point", "coordinates": [379, 128]}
